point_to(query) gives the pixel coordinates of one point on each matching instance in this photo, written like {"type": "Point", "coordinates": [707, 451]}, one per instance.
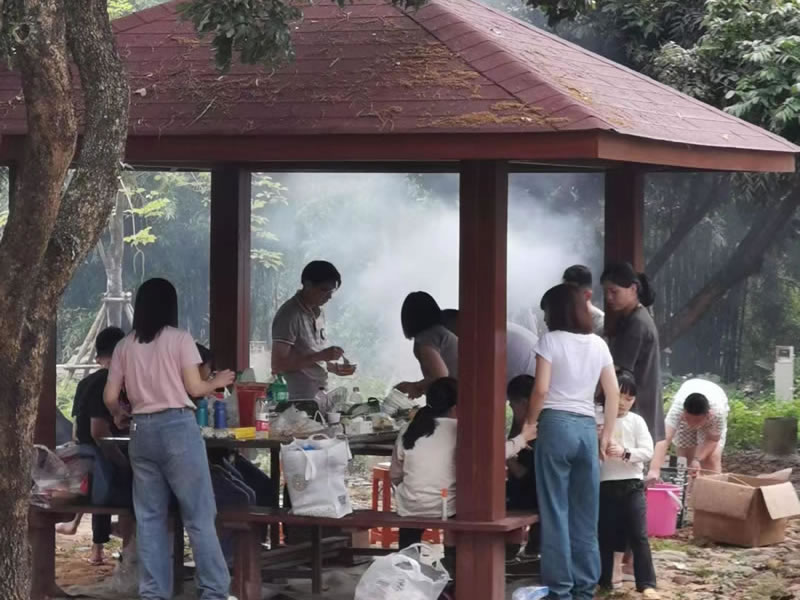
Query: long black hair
{"type": "Point", "coordinates": [441, 396]}
{"type": "Point", "coordinates": [623, 275]}
{"type": "Point", "coordinates": [419, 312]}
{"type": "Point", "coordinates": [156, 307]}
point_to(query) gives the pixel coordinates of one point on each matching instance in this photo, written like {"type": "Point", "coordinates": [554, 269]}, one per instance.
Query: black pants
{"type": "Point", "coordinates": [521, 495]}
{"type": "Point", "coordinates": [409, 537]}
{"type": "Point", "coordinates": [623, 523]}
{"type": "Point", "coordinates": [120, 496]}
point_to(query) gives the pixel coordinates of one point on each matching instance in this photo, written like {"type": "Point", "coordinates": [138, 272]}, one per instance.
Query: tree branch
{"type": "Point", "coordinates": [42, 59]}
{"type": "Point", "coordinates": [745, 261]}
{"type": "Point", "coordinates": [709, 198]}
{"type": "Point", "coordinates": [89, 199]}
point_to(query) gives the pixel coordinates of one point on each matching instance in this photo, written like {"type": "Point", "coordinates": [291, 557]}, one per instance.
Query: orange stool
{"type": "Point", "coordinates": [382, 490]}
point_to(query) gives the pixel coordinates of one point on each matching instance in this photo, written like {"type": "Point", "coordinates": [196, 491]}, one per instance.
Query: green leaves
{"type": "Point", "coordinates": [160, 207]}
{"type": "Point", "coordinates": [143, 237]}
{"type": "Point", "coordinates": [257, 30]}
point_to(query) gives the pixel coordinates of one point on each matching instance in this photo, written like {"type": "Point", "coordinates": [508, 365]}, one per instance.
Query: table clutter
{"type": "Point", "coordinates": [262, 411]}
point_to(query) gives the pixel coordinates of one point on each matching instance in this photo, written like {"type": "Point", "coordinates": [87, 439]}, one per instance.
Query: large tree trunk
{"type": "Point", "coordinates": [49, 148]}
{"type": "Point", "coordinates": [48, 235]}
{"type": "Point", "coordinates": [745, 261]}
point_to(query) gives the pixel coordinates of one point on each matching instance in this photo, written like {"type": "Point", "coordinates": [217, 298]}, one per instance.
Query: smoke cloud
{"type": "Point", "coordinates": [390, 234]}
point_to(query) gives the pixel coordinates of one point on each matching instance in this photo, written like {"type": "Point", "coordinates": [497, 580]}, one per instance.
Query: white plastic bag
{"type": "Point", "coordinates": [60, 476]}
{"type": "Point", "coordinates": [295, 423]}
{"type": "Point", "coordinates": [404, 575]}
{"type": "Point", "coordinates": [314, 470]}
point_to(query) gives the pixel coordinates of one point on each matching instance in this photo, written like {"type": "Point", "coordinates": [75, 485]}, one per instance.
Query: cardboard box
{"type": "Point", "coordinates": [742, 510]}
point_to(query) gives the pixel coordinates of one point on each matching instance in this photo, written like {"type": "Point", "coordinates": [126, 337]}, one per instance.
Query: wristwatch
{"type": "Point", "coordinates": [626, 455]}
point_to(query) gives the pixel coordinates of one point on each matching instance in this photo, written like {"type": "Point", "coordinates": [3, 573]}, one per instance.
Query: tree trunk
{"type": "Point", "coordinates": [709, 198]}
{"type": "Point", "coordinates": [49, 147]}
{"type": "Point", "coordinates": [745, 261]}
{"type": "Point", "coordinates": [112, 258]}
{"type": "Point", "coordinates": [48, 236]}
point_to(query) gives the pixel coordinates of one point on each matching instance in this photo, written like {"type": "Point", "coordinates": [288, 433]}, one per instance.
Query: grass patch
{"type": "Point", "coordinates": [666, 545]}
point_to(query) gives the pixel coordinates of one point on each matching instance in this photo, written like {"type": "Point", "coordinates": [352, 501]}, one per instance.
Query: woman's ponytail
{"type": "Point", "coordinates": [441, 398]}
{"type": "Point", "coordinates": [646, 293]}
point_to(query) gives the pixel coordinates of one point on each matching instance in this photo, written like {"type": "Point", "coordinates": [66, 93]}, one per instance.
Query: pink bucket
{"type": "Point", "coordinates": [663, 506]}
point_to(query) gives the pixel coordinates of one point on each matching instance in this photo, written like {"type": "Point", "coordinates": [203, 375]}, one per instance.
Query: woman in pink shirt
{"type": "Point", "coordinates": [158, 365]}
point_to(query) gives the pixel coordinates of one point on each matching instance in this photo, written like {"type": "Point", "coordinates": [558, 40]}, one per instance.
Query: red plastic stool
{"type": "Point", "coordinates": [382, 490]}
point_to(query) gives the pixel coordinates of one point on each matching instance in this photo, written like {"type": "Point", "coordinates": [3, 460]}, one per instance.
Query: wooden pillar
{"type": "Point", "coordinates": [482, 366]}
{"type": "Point", "coordinates": [230, 267]}
{"type": "Point", "coordinates": [624, 217]}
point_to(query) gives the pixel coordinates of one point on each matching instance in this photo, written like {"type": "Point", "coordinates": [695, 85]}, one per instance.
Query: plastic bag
{"type": "Point", "coordinates": [406, 575]}
{"type": "Point", "coordinates": [315, 471]}
{"type": "Point", "coordinates": [60, 476]}
{"type": "Point", "coordinates": [295, 423]}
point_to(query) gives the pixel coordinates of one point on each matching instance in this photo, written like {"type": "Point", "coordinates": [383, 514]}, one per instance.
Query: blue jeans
{"type": "Point", "coordinates": [168, 454]}
{"type": "Point", "coordinates": [111, 486]}
{"type": "Point", "coordinates": [568, 488]}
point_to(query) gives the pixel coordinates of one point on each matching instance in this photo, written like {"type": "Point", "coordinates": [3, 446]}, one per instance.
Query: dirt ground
{"type": "Point", "coordinates": [687, 570]}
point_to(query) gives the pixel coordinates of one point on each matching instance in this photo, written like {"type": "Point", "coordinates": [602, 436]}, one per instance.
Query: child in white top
{"type": "Point", "coordinates": [623, 509]}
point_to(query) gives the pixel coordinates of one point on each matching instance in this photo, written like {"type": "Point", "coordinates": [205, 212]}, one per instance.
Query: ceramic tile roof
{"type": "Point", "coordinates": [370, 68]}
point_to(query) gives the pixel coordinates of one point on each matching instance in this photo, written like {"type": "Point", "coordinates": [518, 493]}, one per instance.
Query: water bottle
{"type": "Point", "coordinates": [202, 412]}
{"type": "Point", "coordinates": [530, 593]}
{"type": "Point", "coordinates": [262, 418]}
{"type": "Point", "coordinates": [280, 389]}
{"type": "Point", "coordinates": [220, 415]}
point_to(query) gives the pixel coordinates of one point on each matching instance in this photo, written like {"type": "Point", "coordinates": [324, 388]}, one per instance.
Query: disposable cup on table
{"type": "Point", "coordinates": [246, 396]}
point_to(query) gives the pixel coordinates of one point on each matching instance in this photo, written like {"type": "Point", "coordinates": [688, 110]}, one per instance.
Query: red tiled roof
{"type": "Point", "coordinates": [454, 66]}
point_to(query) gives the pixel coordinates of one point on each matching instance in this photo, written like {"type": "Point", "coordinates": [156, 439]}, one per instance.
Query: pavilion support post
{"type": "Point", "coordinates": [480, 567]}
{"type": "Point", "coordinates": [230, 266]}
{"type": "Point", "coordinates": [624, 217]}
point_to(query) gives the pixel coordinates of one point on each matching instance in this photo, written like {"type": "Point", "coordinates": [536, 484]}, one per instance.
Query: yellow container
{"type": "Point", "coordinates": [244, 433]}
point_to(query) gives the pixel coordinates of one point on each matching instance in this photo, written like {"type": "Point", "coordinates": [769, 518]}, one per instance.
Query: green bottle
{"type": "Point", "coordinates": [280, 389]}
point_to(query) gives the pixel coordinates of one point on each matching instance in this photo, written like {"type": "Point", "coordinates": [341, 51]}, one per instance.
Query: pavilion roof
{"type": "Point", "coordinates": [371, 69]}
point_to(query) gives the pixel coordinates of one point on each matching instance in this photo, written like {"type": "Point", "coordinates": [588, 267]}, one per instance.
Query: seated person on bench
{"type": "Point", "coordinates": [521, 476]}
{"type": "Point", "coordinates": [112, 478]}
{"type": "Point", "coordinates": [424, 464]}
{"type": "Point", "coordinates": [237, 482]}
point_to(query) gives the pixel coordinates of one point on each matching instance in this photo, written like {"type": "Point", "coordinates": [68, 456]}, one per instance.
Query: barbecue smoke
{"type": "Point", "coordinates": [390, 234]}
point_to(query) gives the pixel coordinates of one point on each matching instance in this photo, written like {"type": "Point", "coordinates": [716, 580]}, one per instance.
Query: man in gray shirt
{"type": "Point", "coordinates": [300, 348]}
{"type": "Point", "coordinates": [581, 277]}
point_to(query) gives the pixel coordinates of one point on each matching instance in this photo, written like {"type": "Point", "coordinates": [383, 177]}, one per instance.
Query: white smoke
{"type": "Point", "coordinates": [388, 239]}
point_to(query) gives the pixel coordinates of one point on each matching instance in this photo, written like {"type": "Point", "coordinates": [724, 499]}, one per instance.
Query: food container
{"type": "Point", "coordinates": [359, 426]}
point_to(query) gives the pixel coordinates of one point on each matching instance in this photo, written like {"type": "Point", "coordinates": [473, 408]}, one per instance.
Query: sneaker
{"type": "Point", "coordinates": [651, 594]}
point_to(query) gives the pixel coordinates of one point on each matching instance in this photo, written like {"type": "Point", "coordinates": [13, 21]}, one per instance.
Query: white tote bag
{"type": "Point", "coordinates": [314, 470]}
{"type": "Point", "coordinates": [404, 575]}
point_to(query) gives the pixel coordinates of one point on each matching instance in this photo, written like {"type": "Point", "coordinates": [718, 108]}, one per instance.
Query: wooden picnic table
{"type": "Point", "coordinates": [370, 444]}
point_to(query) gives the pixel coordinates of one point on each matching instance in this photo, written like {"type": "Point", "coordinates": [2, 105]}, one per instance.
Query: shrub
{"type": "Point", "coordinates": [746, 419]}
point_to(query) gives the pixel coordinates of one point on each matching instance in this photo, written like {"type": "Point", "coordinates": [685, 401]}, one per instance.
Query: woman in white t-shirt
{"type": "Point", "coordinates": [570, 360]}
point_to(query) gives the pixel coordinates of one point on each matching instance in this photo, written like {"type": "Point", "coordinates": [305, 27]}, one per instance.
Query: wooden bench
{"type": "Point", "coordinates": [41, 534]}
{"type": "Point", "coordinates": [247, 576]}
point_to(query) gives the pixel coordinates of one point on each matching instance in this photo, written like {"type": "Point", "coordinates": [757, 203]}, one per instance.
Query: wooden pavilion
{"type": "Point", "coordinates": [453, 87]}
